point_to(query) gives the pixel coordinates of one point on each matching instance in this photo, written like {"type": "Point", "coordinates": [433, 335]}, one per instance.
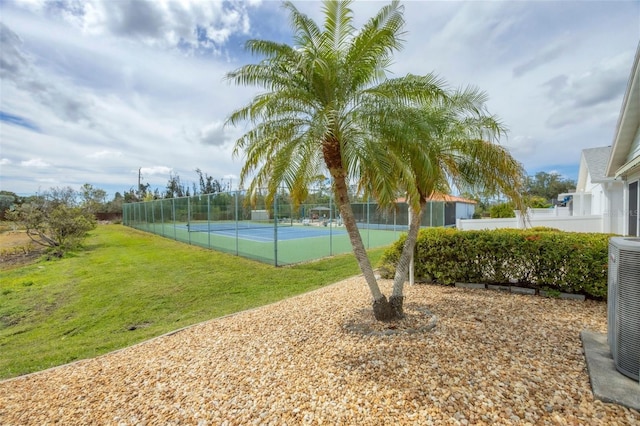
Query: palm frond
{"type": "Point", "coordinates": [338, 28]}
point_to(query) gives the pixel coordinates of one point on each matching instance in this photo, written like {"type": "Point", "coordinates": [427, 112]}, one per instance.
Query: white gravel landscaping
{"type": "Point", "coordinates": [492, 358]}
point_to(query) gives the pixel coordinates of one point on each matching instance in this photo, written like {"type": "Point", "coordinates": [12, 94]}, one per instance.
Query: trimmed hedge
{"type": "Point", "coordinates": [540, 258]}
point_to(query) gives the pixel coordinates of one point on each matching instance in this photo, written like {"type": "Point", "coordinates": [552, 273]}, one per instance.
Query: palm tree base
{"type": "Point", "coordinates": [396, 303]}
{"type": "Point", "coordinates": [387, 310]}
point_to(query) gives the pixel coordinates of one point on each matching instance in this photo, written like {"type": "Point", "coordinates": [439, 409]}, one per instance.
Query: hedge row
{"type": "Point", "coordinates": [541, 258]}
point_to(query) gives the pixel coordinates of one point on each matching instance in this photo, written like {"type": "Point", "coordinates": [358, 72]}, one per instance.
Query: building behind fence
{"type": "Point", "coordinates": [223, 222]}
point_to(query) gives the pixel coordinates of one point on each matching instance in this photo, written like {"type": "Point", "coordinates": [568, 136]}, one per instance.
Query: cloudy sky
{"type": "Point", "coordinates": [94, 91]}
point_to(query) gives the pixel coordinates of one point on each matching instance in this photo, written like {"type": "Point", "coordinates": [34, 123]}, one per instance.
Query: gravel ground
{"type": "Point", "coordinates": [492, 358]}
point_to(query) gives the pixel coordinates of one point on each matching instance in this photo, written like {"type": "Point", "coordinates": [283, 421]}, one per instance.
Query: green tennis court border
{"type": "Point", "coordinates": [285, 252]}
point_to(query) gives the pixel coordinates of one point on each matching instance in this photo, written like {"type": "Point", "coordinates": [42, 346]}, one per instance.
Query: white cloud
{"type": "Point", "coordinates": [48, 181]}
{"type": "Point", "coordinates": [155, 170]}
{"type": "Point", "coordinates": [188, 24]}
{"type": "Point", "coordinates": [37, 163]}
{"type": "Point", "coordinates": [116, 86]}
{"type": "Point", "coordinates": [105, 154]}
{"type": "Point", "coordinates": [522, 146]}
{"type": "Point", "coordinates": [5, 162]}
{"type": "Point", "coordinates": [590, 95]}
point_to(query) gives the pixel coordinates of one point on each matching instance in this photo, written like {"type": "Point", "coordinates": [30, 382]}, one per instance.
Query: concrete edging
{"type": "Point", "coordinates": [521, 290]}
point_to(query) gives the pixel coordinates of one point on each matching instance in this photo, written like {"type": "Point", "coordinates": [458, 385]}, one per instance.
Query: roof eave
{"type": "Point", "coordinates": [628, 121]}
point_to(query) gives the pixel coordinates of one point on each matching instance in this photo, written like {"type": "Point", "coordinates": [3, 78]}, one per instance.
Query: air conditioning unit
{"type": "Point", "coordinates": [623, 306]}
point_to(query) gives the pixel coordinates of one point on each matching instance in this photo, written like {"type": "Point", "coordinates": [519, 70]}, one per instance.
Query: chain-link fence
{"type": "Point", "coordinates": [278, 233]}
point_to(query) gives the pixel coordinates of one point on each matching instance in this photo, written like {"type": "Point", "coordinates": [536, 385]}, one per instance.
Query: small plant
{"type": "Point", "coordinates": [551, 292]}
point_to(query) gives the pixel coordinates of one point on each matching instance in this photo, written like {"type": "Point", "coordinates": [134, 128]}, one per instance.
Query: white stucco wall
{"type": "Point", "coordinates": [614, 211]}
{"type": "Point", "coordinates": [590, 223]}
{"type": "Point", "coordinates": [581, 204]}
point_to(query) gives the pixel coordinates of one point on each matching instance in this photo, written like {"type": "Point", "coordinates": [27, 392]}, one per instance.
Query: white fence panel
{"type": "Point", "coordinates": [593, 223]}
{"type": "Point", "coordinates": [480, 224]}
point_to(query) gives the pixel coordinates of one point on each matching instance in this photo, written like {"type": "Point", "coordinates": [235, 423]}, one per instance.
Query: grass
{"type": "Point", "coordinates": [127, 286]}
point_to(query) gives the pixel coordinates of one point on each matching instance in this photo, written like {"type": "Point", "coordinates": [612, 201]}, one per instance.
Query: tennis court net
{"type": "Point", "coordinates": [232, 225]}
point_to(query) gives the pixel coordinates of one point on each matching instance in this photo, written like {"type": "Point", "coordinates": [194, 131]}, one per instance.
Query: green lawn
{"type": "Point", "coordinates": [128, 286]}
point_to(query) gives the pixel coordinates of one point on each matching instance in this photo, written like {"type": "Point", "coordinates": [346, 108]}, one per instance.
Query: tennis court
{"type": "Point", "coordinates": [278, 234]}
{"type": "Point", "coordinates": [294, 244]}
{"type": "Point", "coordinates": [264, 233]}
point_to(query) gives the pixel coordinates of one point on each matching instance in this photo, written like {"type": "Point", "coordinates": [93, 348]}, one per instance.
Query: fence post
{"type": "Point", "coordinates": [368, 222]}
{"type": "Point", "coordinates": [173, 215]}
{"type": "Point", "coordinates": [237, 236]}
{"type": "Point", "coordinates": [275, 229]}
{"type": "Point", "coordinates": [162, 216]}
{"type": "Point", "coordinates": [209, 220]}
{"type": "Point", "coordinates": [411, 260]}
{"type": "Point", "coordinates": [330, 224]}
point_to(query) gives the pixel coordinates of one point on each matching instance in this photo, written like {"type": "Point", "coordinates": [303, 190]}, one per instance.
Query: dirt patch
{"type": "Point", "coordinates": [417, 319]}
{"type": "Point", "coordinates": [17, 249]}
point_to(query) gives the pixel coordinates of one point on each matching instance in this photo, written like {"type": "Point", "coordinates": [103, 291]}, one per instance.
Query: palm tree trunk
{"type": "Point", "coordinates": [381, 308]}
{"type": "Point", "coordinates": [402, 268]}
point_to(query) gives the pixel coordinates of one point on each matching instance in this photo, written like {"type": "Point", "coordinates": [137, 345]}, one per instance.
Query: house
{"type": "Point", "coordinates": [607, 195]}
{"type": "Point", "coordinates": [596, 193]}
{"type": "Point", "coordinates": [608, 177]}
{"type": "Point", "coordinates": [624, 159]}
{"type": "Point", "coordinates": [448, 209]}
{"type": "Point", "coordinates": [455, 208]}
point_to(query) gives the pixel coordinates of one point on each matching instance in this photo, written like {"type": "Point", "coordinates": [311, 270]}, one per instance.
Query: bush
{"type": "Point", "coordinates": [502, 210]}
{"type": "Point", "coordinates": [55, 220]}
{"type": "Point", "coordinates": [538, 203]}
{"type": "Point", "coordinates": [537, 258]}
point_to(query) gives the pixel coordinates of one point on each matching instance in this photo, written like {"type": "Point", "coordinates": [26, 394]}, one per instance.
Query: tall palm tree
{"type": "Point", "coordinates": [328, 106]}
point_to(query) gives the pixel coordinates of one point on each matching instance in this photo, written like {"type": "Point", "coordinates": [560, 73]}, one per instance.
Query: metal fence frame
{"type": "Point", "coordinates": [165, 216]}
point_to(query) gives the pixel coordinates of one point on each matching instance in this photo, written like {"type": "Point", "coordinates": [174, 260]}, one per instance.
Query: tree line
{"type": "Point", "coordinates": [540, 191]}
{"type": "Point", "coordinates": [176, 188]}
{"type": "Point", "coordinates": [60, 218]}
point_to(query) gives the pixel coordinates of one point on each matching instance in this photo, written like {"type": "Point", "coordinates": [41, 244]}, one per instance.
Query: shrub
{"type": "Point", "coordinates": [537, 258]}
{"type": "Point", "coordinates": [55, 220]}
{"type": "Point", "coordinates": [538, 203]}
{"type": "Point", "coordinates": [502, 210]}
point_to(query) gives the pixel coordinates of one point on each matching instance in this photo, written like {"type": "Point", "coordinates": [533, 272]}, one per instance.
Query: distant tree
{"type": "Point", "coordinates": [143, 189]}
{"type": "Point", "coordinates": [502, 210]}
{"type": "Point", "coordinates": [175, 188]}
{"type": "Point", "coordinates": [536, 202]}
{"type": "Point", "coordinates": [55, 219]}
{"type": "Point", "coordinates": [548, 186]}
{"type": "Point", "coordinates": [483, 202]}
{"type": "Point", "coordinates": [115, 205]}
{"type": "Point", "coordinates": [208, 185]}
{"type": "Point", "coordinates": [131, 196]}
{"type": "Point", "coordinates": [93, 199]}
{"type": "Point", "coordinates": [7, 199]}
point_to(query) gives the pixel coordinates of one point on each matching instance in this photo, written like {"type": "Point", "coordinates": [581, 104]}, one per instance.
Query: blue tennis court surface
{"type": "Point", "coordinates": [265, 234]}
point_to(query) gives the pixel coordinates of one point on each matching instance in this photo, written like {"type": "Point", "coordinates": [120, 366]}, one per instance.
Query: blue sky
{"type": "Point", "coordinates": [92, 91]}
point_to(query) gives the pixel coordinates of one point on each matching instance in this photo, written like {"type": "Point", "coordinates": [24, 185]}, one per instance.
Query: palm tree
{"type": "Point", "coordinates": [328, 106]}
{"type": "Point", "coordinates": [456, 147]}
